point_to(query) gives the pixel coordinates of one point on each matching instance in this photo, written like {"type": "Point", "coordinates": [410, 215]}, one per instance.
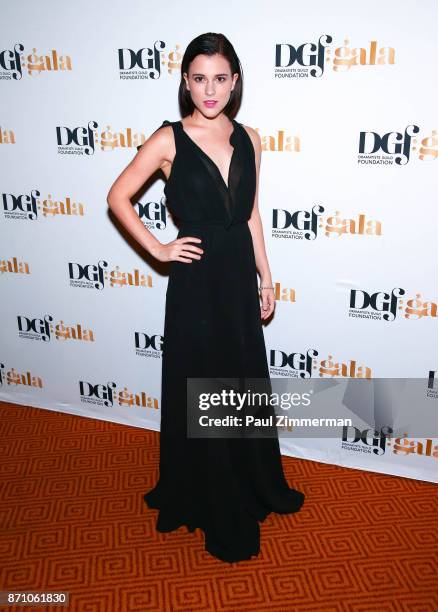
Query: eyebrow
{"type": "Point", "coordinates": [219, 74]}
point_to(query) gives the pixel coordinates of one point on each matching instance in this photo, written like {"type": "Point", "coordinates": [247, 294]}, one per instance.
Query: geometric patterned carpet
{"type": "Point", "coordinates": [72, 518]}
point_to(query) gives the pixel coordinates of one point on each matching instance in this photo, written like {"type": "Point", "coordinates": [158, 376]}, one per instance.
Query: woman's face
{"type": "Point", "coordinates": [210, 83]}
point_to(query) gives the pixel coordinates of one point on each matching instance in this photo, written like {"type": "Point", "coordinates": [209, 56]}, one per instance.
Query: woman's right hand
{"type": "Point", "coordinates": [179, 249]}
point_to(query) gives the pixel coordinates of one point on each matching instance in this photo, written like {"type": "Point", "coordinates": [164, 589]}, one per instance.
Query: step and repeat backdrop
{"type": "Point", "coordinates": [344, 99]}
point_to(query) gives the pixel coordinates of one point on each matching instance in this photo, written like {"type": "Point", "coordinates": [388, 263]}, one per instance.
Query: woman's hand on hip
{"type": "Point", "coordinates": [179, 249]}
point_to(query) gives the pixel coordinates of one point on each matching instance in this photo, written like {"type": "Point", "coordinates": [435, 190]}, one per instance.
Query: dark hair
{"type": "Point", "coordinates": [209, 44]}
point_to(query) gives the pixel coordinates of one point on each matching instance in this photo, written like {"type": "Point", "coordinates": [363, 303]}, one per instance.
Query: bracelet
{"type": "Point", "coordinates": [265, 287]}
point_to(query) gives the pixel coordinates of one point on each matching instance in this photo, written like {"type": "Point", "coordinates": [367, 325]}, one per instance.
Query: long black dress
{"type": "Point", "coordinates": [213, 328]}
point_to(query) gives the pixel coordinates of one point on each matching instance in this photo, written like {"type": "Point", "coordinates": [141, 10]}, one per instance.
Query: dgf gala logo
{"type": "Point", "coordinates": [45, 329]}
{"type": "Point", "coordinates": [396, 147]}
{"type": "Point", "coordinates": [147, 62]}
{"type": "Point", "coordinates": [310, 58]}
{"type": "Point", "coordinates": [16, 378]}
{"type": "Point", "coordinates": [79, 140]}
{"type": "Point", "coordinates": [148, 345]}
{"type": "Point", "coordinates": [84, 140]}
{"type": "Point", "coordinates": [382, 305]}
{"type": "Point", "coordinates": [367, 441]}
{"type": "Point", "coordinates": [96, 276]}
{"type": "Point", "coordinates": [31, 207]}
{"type": "Point", "coordinates": [306, 365]}
{"type": "Point", "coordinates": [141, 64]}
{"type": "Point", "coordinates": [109, 394]}
{"type": "Point", "coordinates": [307, 224]}
{"type": "Point", "coordinates": [372, 442]}
{"type": "Point", "coordinates": [291, 365]}
{"type": "Point", "coordinates": [153, 215]}
{"type": "Point", "coordinates": [13, 62]}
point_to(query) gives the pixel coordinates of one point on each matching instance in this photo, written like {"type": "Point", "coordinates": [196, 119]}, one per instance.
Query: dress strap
{"type": "Point", "coordinates": [165, 122]}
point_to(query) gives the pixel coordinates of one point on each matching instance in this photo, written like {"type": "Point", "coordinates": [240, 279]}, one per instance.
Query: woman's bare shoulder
{"type": "Point", "coordinates": [159, 146]}
{"type": "Point", "coordinates": [162, 136]}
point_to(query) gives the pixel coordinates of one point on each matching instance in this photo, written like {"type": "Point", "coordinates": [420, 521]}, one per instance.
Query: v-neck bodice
{"type": "Point", "coordinates": [202, 152]}
{"type": "Point", "coordinates": [196, 191]}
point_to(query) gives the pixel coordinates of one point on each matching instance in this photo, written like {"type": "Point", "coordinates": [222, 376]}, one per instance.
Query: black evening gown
{"type": "Point", "coordinates": [212, 327]}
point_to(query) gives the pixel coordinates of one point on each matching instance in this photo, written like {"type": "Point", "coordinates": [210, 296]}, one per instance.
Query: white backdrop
{"type": "Point", "coordinates": [82, 308]}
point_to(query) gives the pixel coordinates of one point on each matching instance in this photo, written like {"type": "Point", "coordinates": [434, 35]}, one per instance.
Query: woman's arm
{"type": "Point", "coordinates": [151, 156]}
{"type": "Point", "coordinates": [256, 228]}
{"type": "Point", "coordinates": [157, 152]}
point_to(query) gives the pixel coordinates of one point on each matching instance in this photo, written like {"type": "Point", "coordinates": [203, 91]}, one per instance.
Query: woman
{"type": "Point", "coordinates": [212, 326]}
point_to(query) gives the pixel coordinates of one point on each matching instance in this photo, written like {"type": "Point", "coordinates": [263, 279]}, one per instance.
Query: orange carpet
{"type": "Point", "coordinates": [72, 518]}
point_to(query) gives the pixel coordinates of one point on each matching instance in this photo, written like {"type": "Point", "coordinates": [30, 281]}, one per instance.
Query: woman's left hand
{"type": "Point", "coordinates": [267, 297]}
